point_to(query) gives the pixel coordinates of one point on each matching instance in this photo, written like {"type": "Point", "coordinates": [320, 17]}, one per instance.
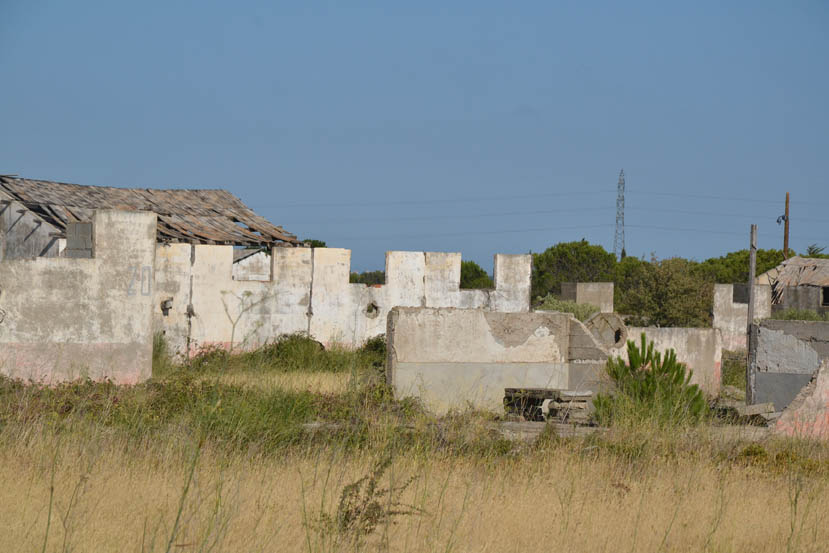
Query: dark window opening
{"type": "Point", "coordinates": [825, 297]}
{"type": "Point", "coordinates": [739, 293]}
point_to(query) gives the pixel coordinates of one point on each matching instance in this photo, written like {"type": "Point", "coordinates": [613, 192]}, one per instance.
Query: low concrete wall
{"type": "Point", "coordinates": [456, 358]}
{"type": "Point", "coordinates": [700, 349]}
{"type": "Point", "coordinates": [309, 291]}
{"type": "Point", "coordinates": [599, 294]}
{"type": "Point", "coordinates": [731, 317]}
{"type": "Point", "coordinates": [808, 415]}
{"type": "Point", "coordinates": [63, 318]}
{"type": "Point", "coordinates": [785, 355]}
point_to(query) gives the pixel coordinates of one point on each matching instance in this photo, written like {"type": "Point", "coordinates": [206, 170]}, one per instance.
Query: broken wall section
{"type": "Point", "coordinates": [784, 356]}
{"type": "Point", "coordinates": [65, 318]}
{"type": "Point", "coordinates": [731, 317]}
{"type": "Point", "coordinates": [309, 291]}
{"type": "Point", "coordinates": [598, 294]}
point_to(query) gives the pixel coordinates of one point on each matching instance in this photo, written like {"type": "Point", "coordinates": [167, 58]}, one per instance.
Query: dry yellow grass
{"type": "Point", "coordinates": [109, 496]}
{"type": "Point", "coordinates": [315, 382]}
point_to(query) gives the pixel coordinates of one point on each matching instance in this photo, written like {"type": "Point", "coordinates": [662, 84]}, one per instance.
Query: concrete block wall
{"type": "Point", "coordinates": [731, 318]}
{"type": "Point", "coordinates": [64, 318]}
{"type": "Point", "coordinates": [457, 358]}
{"type": "Point", "coordinates": [599, 294]}
{"type": "Point", "coordinates": [699, 348]}
{"type": "Point", "coordinates": [310, 292]}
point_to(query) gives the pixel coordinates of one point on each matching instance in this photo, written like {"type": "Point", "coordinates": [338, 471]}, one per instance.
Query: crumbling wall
{"type": "Point", "coordinates": [310, 292]}
{"type": "Point", "coordinates": [64, 318]}
{"type": "Point", "coordinates": [599, 294]}
{"type": "Point", "coordinates": [455, 358]}
{"type": "Point", "coordinates": [784, 356]}
{"type": "Point", "coordinates": [731, 317]}
{"type": "Point", "coordinates": [808, 414]}
{"type": "Point", "coordinates": [700, 349]}
{"type": "Point", "coordinates": [255, 266]}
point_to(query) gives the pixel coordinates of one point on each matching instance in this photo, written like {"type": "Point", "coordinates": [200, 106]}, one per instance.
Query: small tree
{"type": "Point", "coordinates": [570, 262]}
{"type": "Point", "coordinates": [474, 276]}
{"type": "Point", "coordinates": [651, 386]}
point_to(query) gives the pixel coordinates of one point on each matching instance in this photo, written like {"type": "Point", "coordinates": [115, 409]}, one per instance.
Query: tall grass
{"type": "Point", "coordinates": [194, 462]}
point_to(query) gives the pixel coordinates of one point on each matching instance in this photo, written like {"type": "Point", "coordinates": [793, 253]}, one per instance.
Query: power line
{"type": "Point", "coordinates": [755, 217]}
{"type": "Point", "coordinates": [472, 233]}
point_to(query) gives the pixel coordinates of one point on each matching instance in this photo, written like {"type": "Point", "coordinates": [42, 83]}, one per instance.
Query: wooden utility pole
{"type": "Point", "coordinates": [752, 269]}
{"type": "Point", "coordinates": [786, 230]}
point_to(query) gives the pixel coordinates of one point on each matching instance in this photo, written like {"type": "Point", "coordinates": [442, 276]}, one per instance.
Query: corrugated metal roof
{"type": "Point", "coordinates": [800, 271]}
{"type": "Point", "coordinates": [192, 216]}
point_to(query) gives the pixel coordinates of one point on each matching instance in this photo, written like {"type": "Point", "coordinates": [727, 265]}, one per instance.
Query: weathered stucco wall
{"type": "Point", "coordinates": [63, 318]}
{"type": "Point", "coordinates": [699, 348]}
{"type": "Point", "coordinates": [599, 294]}
{"type": "Point", "coordinates": [310, 292]}
{"type": "Point", "coordinates": [731, 317]}
{"type": "Point", "coordinates": [455, 358]}
{"type": "Point", "coordinates": [23, 235]}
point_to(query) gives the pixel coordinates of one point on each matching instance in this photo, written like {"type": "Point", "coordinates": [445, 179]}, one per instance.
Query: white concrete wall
{"type": "Point", "coordinates": [310, 292]}
{"type": "Point", "coordinates": [63, 318]}
{"type": "Point", "coordinates": [732, 318]}
{"type": "Point", "coordinates": [456, 358]}
{"type": "Point", "coordinates": [699, 348]}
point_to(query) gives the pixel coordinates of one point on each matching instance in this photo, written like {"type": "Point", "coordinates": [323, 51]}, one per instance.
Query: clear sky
{"type": "Point", "coordinates": [471, 126]}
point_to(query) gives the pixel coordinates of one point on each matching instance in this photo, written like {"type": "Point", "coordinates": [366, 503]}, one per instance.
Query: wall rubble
{"type": "Point", "coordinates": [731, 317]}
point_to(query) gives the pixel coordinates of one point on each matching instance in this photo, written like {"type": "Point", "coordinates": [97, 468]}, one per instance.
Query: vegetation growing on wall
{"type": "Point", "coordinates": [581, 311]}
{"type": "Point", "coordinates": [651, 386]}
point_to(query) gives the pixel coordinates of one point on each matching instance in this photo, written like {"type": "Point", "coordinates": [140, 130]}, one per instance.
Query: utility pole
{"type": "Point", "coordinates": [619, 237]}
{"type": "Point", "coordinates": [750, 336]}
{"type": "Point", "coordinates": [786, 230]}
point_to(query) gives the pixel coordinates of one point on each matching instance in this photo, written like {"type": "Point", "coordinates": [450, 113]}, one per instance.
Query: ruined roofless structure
{"type": "Point", "coordinates": [36, 214]}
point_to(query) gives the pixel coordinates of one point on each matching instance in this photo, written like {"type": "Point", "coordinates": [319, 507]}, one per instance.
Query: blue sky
{"type": "Point", "coordinates": [479, 127]}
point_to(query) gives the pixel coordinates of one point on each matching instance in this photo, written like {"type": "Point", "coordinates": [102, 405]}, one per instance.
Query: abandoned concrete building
{"type": "Point", "coordinates": [88, 275]}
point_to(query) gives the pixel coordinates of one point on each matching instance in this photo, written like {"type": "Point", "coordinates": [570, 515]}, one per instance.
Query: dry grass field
{"type": "Point", "coordinates": [216, 462]}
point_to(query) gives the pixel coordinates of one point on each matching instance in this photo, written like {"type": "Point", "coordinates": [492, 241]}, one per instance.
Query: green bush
{"type": "Point", "coordinates": [581, 311]}
{"type": "Point", "coordinates": [473, 276]}
{"type": "Point", "coordinates": [651, 387]}
{"type": "Point", "coordinates": [799, 315]}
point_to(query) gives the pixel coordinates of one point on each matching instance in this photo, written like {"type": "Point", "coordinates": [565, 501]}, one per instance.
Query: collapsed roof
{"type": "Point", "coordinates": [800, 271]}
{"type": "Point", "coordinates": [191, 216]}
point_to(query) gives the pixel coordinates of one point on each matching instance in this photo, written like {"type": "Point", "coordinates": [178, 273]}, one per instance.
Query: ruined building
{"type": "Point", "coordinates": [88, 275]}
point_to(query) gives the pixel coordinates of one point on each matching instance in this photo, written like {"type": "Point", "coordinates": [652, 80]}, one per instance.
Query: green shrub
{"type": "Point", "coordinates": [473, 276]}
{"type": "Point", "coordinates": [582, 311]}
{"type": "Point", "coordinates": [651, 387]}
{"type": "Point", "coordinates": [799, 315]}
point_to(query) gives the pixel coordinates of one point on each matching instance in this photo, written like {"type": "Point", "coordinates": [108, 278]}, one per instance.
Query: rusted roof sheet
{"type": "Point", "coordinates": [193, 216]}
{"type": "Point", "coordinates": [800, 271]}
